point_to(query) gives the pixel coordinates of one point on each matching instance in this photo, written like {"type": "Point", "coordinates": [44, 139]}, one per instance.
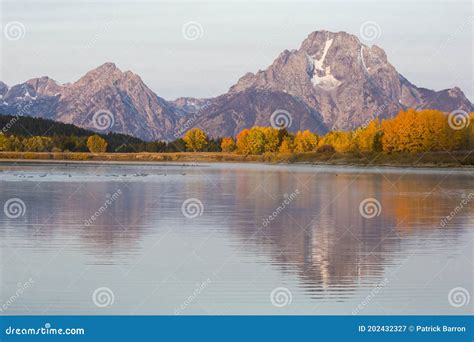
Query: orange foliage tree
{"type": "Point", "coordinates": [420, 131]}
{"type": "Point", "coordinates": [227, 144]}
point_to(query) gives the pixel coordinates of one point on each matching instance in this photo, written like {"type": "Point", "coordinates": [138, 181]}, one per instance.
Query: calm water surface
{"type": "Point", "coordinates": [327, 256]}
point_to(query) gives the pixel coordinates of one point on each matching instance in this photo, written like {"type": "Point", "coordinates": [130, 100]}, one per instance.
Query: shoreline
{"type": "Point", "coordinates": [433, 160]}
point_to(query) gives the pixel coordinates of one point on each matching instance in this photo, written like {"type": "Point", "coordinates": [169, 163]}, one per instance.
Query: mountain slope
{"type": "Point", "coordinates": [346, 81]}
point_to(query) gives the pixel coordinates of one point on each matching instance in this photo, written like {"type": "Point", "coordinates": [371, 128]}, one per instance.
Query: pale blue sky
{"type": "Point", "coordinates": [429, 42]}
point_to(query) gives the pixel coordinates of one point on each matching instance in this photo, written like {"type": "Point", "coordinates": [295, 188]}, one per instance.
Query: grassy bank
{"type": "Point", "coordinates": [432, 159]}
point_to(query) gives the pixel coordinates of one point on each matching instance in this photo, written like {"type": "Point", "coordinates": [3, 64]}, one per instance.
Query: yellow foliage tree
{"type": "Point", "coordinates": [305, 141]}
{"type": "Point", "coordinates": [420, 131]}
{"type": "Point", "coordinates": [286, 146]}
{"type": "Point", "coordinates": [227, 144]}
{"type": "Point", "coordinates": [341, 141]}
{"type": "Point", "coordinates": [4, 143]}
{"type": "Point", "coordinates": [241, 141]}
{"type": "Point", "coordinates": [96, 144]}
{"type": "Point", "coordinates": [470, 139]}
{"type": "Point", "coordinates": [368, 139]}
{"type": "Point", "coordinates": [196, 140]}
{"type": "Point", "coordinates": [258, 140]}
{"type": "Point", "coordinates": [38, 144]}
{"type": "Point", "coordinates": [272, 138]}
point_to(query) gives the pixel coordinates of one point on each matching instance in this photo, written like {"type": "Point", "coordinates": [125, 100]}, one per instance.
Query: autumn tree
{"type": "Point", "coordinates": [420, 131]}
{"type": "Point", "coordinates": [470, 138]}
{"type": "Point", "coordinates": [38, 144]}
{"type": "Point", "coordinates": [196, 140]}
{"type": "Point", "coordinates": [305, 141]}
{"type": "Point", "coordinates": [258, 140]}
{"type": "Point", "coordinates": [96, 144]}
{"type": "Point", "coordinates": [15, 144]}
{"type": "Point", "coordinates": [250, 141]}
{"type": "Point", "coordinates": [286, 146]}
{"type": "Point", "coordinates": [4, 143]}
{"type": "Point", "coordinates": [368, 139]}
{"type": "Point", "coordinates": [341, 141]}
{"type": "Point", "coordinates": [272, 139]}
{"type": "Point", "coordinates": [228, 144]}
{"type": "Point", "coordinates": [241, 141]}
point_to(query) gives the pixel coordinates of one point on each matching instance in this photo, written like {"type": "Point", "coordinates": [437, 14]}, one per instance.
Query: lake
{"type": "Point", "coordinates": [171, 239]}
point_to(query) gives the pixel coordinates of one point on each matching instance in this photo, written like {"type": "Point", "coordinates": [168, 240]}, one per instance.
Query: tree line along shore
{"type": "Point", "coordinates": [426, 137]}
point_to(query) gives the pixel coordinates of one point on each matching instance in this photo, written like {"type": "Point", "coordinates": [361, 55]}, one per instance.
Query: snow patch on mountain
{"type": "Point", "coordinates": [318, 63]}
{"type": "Point", "coordinates": [322, 77]}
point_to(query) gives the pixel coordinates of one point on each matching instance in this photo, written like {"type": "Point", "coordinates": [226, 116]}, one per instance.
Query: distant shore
{"type": "Point", "coordinates": [432, 159]}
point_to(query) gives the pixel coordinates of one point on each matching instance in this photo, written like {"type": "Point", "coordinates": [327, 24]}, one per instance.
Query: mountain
{"type": "Point", "coordinates": [228, 114]}
{"type": "Point", "coordinates": [332, 81]}
{"type": "Point", "coordinates": [105, 99]}
{"type": "Point", "coordinates": [346, 81]}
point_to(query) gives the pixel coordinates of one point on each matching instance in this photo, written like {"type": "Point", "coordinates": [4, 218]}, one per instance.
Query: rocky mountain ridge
{"type": "Point", "coordinates": [332, 81]}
